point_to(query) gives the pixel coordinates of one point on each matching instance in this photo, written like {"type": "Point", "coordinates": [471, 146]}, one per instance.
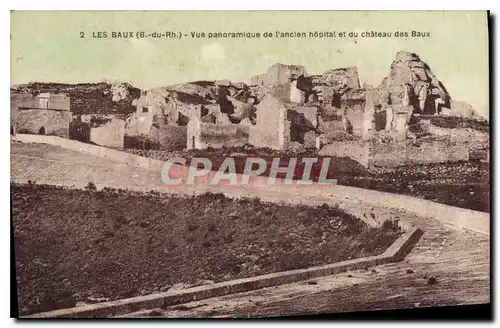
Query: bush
{"type": "Point", "coordinates": [79, 131]}
{"type": "Point", "coordinates": [90, 186]}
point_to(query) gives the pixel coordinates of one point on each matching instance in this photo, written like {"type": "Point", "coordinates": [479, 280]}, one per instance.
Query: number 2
{"type": "Point", "coordinates": [82, 35]}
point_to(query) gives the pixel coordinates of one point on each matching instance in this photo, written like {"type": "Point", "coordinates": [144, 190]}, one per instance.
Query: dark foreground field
{"type": "Point", "coordinates": [461, 184]}
{"type": "Point", "coordinates": [86, 246]}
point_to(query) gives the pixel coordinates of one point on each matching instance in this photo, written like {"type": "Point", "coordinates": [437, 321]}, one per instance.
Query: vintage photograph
{"type": "Point", "coordinates": [248, 164]}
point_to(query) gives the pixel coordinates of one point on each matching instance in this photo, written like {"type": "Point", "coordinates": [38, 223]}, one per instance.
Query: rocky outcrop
{"type": "Point", "coordinates": [410, 88]}
{"type": "Point", "coordinates": [120, 92]}
{"type": "Point", "coordinates": [412, 83]}
{"type": "Point", "coordinates": [461, 109]}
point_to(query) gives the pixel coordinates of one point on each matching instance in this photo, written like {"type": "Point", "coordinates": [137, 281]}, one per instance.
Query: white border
{"type": "Point", "coordinates": [190, 5]}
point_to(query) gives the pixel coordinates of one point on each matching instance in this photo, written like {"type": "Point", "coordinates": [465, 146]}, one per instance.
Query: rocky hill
{"type": "Point", "coordinates": [427, 94]}
{"type": "Point", "coordinates": [336, 88]}
{"type": "Point", "coordinates": [89, 98]}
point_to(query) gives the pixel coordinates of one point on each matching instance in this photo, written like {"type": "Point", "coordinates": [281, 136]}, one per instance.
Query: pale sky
{"type": "Point", "coordinates": [47, 47]}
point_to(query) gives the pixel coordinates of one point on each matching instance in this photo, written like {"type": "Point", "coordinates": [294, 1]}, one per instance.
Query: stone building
{"type": "Point", "coordinates": [154, 106]}
{"type": "Point", "coordinates": [45, 113]}
{"type": "Point", "coordinates": [272, 129]}
{"type": "Point", "coordinates": [279, 123]}
{"type": "Point", "coordinates": [281, 81]}
{"type": "Point", "coordinates": [280, 74]}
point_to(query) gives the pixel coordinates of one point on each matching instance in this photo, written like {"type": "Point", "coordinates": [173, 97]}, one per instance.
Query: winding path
{"type": "Point", "coordinates": [455, 247]}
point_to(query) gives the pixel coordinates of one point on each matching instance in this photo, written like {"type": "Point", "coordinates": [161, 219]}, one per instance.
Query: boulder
{"type": "Point", "coordinates": [412, 78]}
{"type": "Point", "coordinates": [461, 109]}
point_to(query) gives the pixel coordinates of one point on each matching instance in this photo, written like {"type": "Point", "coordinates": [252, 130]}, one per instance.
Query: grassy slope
{"type": "Point", "coordinates": [74, 244]}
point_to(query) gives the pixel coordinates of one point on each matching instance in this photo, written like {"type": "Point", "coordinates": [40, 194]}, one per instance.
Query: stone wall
{"type": "Point", "coordinates": [21, 100]}
{"type": "Point", "coordinates": [358, 151]}
{"type": "Point", "coordinates": [354, 115]}
{"type": "Point", "coordinates": [271, 129]}
{"type": "Point", "coordinates": [170, 137]}
{"type": "Point", "coordinates": [399, 153]}
{"type": "Point", "coordinates": [110, 134]}
{"type": "Point", "coordinates": [279, 74]}
{"type": "Point", "coordinates": [459, 135]}
{"type": "Point", "coordinates": [257, 79]}
{"type": "Point", "coordinates": [203, 135]}
{"type": "Point", "coordinates": [59, 101]}
{"type": "Point", "coordinates": [139, 124]}
{"type": "Point", "coordinates": [158, 102]}
{"type": "Point", "coordinates": [396, 153]}
{"type": "Point", "coordinates": [342, 78]}
{"type": "Point", "coordinates": [43, 121]}
{"type": "Point", "coordinates": [42, 114]}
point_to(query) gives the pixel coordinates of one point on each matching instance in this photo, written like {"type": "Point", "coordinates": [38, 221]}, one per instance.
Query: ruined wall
{"type": "Point", "coordinates": [20, 100]}
{"type": "Point", "coordinates": [354, 114]}
{"type": "Point", "coordinates": [90, 98]}
{"type": "Point", "coordinates": [111, 134]}
{"type": "Point", "coordinates": [139, 124]}
{"type": "Point", "coordinates": [282, 91]}
{"type": "Point", "coordinates": [296, 95]}
{"type": "Point", "coordinates": [279, 74]}
{"type": "Point", "coordinates": [203, 135]}
{"type": "Point", "coordinates": [41, 121]}
{"type": "Point", "coordinates": [331, 127]}
{"type": "Point", "coordinates": [399, 153]}
{"type": "Point", "coordinates": [360, 152]}
{"type": "Point", "coordinates": [396, 153]}
{"type": "Point", "coordinates": [42, 114]}
{"type": "Point", "coordinates": [159, 102]}
{"type": "Point", "coordinates": [59, 101]}
{"type": "Point", "coordinates": [341, 78]}
{"type": "Point", "coordinates": [310, 113]}
{"type": "Point", "coordinates": [271, 129]}
{"type": "Point", "coordinates": [257, 79]}
{"type": "Point", "coordinates": [170, 137]}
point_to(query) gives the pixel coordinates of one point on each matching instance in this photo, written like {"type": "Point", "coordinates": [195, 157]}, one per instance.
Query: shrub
{"type": "Point", "coordinates": [391, 225]}
{"type": "Point", "coordinates": [79, 131]}
{"type": "Point", "coordinates": [90, 186]}
{"type": "Point", "coordinates": [325, 206]}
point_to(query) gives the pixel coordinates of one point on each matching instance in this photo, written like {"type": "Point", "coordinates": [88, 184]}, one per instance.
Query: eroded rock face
{"type": "Point", "coordinates": [120, 91]}
{"type": "Point", "coordinates": [412, 83]}
{"type": "Point", "coordinates": [330, 86]}
{"type": "Point", "coordinates": [411, 87]}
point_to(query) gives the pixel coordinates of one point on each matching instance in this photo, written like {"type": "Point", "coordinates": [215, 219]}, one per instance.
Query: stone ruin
{"type": "Point", "coordinates": [345, 111]}
{"type": "Point", "coordinates": [315, 109]}
{"type": "Point", "coordinates": [411, 88]}
{"type": "Point", "coordinates": [43, 113]}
